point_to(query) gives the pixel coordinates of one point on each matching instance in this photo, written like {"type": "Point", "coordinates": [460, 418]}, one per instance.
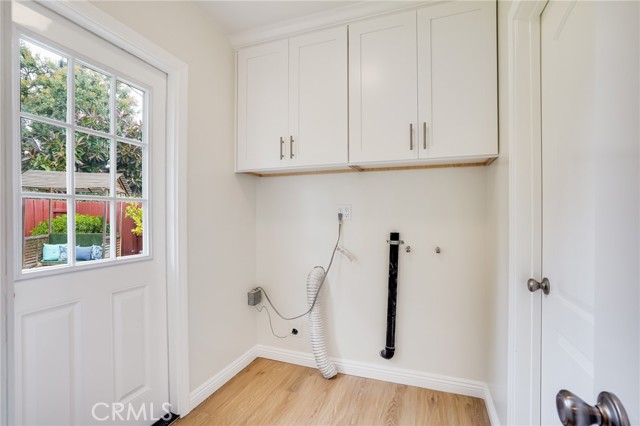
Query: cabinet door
{"type": "Point", "coordinates": [262, 106]}
{"type": "Point", "coordinates": [318, 98]}
{"type": "Point", "coordinates": [383, 89]}
{"type": "Point", "coordinates": [457, 80]}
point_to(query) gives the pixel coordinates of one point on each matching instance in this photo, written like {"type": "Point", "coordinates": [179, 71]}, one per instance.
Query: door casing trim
{"type": "Point", "coordinates": [525, 213]}
{"type": "Point", "coordinates": [107, 27]}
{"type": "Point", "coordinates": [6, 287]}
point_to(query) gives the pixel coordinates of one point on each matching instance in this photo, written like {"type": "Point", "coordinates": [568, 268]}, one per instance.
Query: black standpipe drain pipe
{"type": "Point", "coordinates": [390, 346]}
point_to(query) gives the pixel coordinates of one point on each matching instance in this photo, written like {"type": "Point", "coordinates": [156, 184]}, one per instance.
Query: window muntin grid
{"type": "Point", "coordinates": [101, 154]}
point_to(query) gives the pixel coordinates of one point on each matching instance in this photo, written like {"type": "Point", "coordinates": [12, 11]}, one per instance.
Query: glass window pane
{"type": "Point", "coordinates": [129, 104]}
{"type": "Point", "coordinates": [92, 230]}
{"type": "Point", "coordinates": [130, 228]}
{"type": "Point", "coordinates": [129, 173]}
{"type": "Point", "coordinates": [109, 116]}
{"type": "Point", "coordinates": [43, 157]}
{"type": "Point", "coordinates": [43, 82]}
{"type": "Point", "coordinates": [44, 232]}
{"type": "Point", "coordinates": [92, 164]}
{"type": "Point", "coordinates": [92, 99]}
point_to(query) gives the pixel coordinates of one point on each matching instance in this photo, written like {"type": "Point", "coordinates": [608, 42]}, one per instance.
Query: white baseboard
{"type": "Point", "coordinates": [285, 355]}
{"type": "Point", "coordinates": [206, 389]}
{"type": "Point", "coordinates": [377, 372]}
{"type": "Point", "coordinates": [353, 368]}
{"type": "Point", "coordinates": [491, 408]}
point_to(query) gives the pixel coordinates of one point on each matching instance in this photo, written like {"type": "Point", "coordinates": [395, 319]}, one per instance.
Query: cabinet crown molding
{"type": "Point", "coordinates": [317, 21]}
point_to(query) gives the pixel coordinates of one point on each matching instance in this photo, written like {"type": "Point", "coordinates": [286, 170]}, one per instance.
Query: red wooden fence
{"type": "Point", "coordinates": [36, 211]}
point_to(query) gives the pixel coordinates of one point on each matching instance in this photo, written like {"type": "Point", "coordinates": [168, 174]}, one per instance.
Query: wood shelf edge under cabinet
{"type": "Point", "coordinates": [353, 168]}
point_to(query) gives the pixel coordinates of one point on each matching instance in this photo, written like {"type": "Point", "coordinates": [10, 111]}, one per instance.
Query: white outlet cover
{"type": "Point", "coordinates": [345, 209]}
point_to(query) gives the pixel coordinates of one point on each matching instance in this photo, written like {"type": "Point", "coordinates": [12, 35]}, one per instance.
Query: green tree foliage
{"type": "Point", "coordinates": [85, 224]}
{"type": "Point", "coordinates": [129, 154]}
{"type": "Point", "coordinates": [43, 92]}
{"type": "Point", "coordinates": [43, 85]}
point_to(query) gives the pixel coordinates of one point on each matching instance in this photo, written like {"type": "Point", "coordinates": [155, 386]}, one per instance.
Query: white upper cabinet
{"type": "Point", "coordinates": [431, 100]}
{"type": "Point", "coordinates": [417, 87]}
{"type": "Point", "coordinates": [292, 103]}
{"type": "Point", "coordinates": [318, 98]}
{"type": "Point", "coordinates": [457, 80]}
{"type": "Point", "coordinates": [262, 105]}
{"type": "Point", "coordinates": [383, 89]}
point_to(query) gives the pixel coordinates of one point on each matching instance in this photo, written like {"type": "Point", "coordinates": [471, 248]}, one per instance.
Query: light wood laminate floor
{"type": "Point", "coordinates": [275, 393]}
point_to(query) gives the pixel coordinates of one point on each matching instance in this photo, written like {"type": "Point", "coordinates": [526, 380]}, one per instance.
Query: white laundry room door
{"type": "Point", "coordinates": [90, 309]}
{"type": "Point", "coordinates": [590, 211]}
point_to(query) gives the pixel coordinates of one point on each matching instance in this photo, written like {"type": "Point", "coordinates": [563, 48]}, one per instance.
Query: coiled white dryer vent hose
{"type": "Point", "coordinates": [316, 326]}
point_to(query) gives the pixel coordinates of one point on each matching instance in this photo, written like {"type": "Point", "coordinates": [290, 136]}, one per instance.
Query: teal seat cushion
{"type": "Point", "coordinates": [50, 252]}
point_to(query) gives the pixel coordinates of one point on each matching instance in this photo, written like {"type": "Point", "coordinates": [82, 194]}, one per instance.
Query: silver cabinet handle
{"type": "Point", "coordinates": [411, 136]}
{"type": "Point", "coordinates": [290, 146]}
{"type": "Point", "coordinates": [424, 135]}
{"type": "Point", "coordinates": [281, 148]}
{"type": "Point", "coordinates": [534, 285]}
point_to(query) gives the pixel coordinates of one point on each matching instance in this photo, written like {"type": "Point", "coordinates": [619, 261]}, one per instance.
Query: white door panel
{"type": "Point", "coordinates": [568, 220]}
{"type": "Point", "coordinates": [96, 334]}
{"type": "Point", "coordinates": [48, 372]}
{"type": "Point", "coordinates": [131, 338]}
{"type": "Point", "coordinates": [591, 229]}
{"type": "Point", "coordinates": [383, 89]}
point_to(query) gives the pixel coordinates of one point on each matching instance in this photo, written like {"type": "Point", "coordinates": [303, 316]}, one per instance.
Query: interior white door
{"type": "Point", "coordinates": [318, 98]}
{"type": "Point", "coordinates": [457, 80]}
{"type": "Point", "coordinates": [90, 342]}
{"type": "Point", "coordinates": [263, 106]}
{"type": "Point", "coordinates": [383, 89]}
{"type": "Point", "coordinates": [590, 205]}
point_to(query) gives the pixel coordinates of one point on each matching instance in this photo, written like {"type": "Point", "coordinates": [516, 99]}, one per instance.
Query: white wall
{"type": "Point", "coordinates": [498, 240]}
{"type": "Point", "coordinates": [221, 204]}
{"type": "Point", "coordinates": [443, 303]}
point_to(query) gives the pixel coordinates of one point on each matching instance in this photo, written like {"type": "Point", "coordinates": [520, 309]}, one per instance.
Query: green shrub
{"type": "Point", "coordinates": [85, 224]}
{"type": "Point", "coordinates": [134, 211]}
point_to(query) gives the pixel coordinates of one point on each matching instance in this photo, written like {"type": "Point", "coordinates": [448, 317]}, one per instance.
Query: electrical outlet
{"type": "Point", "coordinates": [296, 330]}
{"type": "Point", "coordinates": [345, 209]}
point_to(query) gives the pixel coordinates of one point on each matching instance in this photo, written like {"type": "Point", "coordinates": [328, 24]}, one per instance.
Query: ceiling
{"type": "Point", "coordinates": [239, 16]}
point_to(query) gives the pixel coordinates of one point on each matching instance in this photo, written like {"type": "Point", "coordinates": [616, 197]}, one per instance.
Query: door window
{"type": "Point", "coordinates": [83, 160]}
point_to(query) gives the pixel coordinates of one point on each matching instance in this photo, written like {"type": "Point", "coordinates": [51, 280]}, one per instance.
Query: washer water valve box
{"type": "Point", "coordinates": [254, 297]}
